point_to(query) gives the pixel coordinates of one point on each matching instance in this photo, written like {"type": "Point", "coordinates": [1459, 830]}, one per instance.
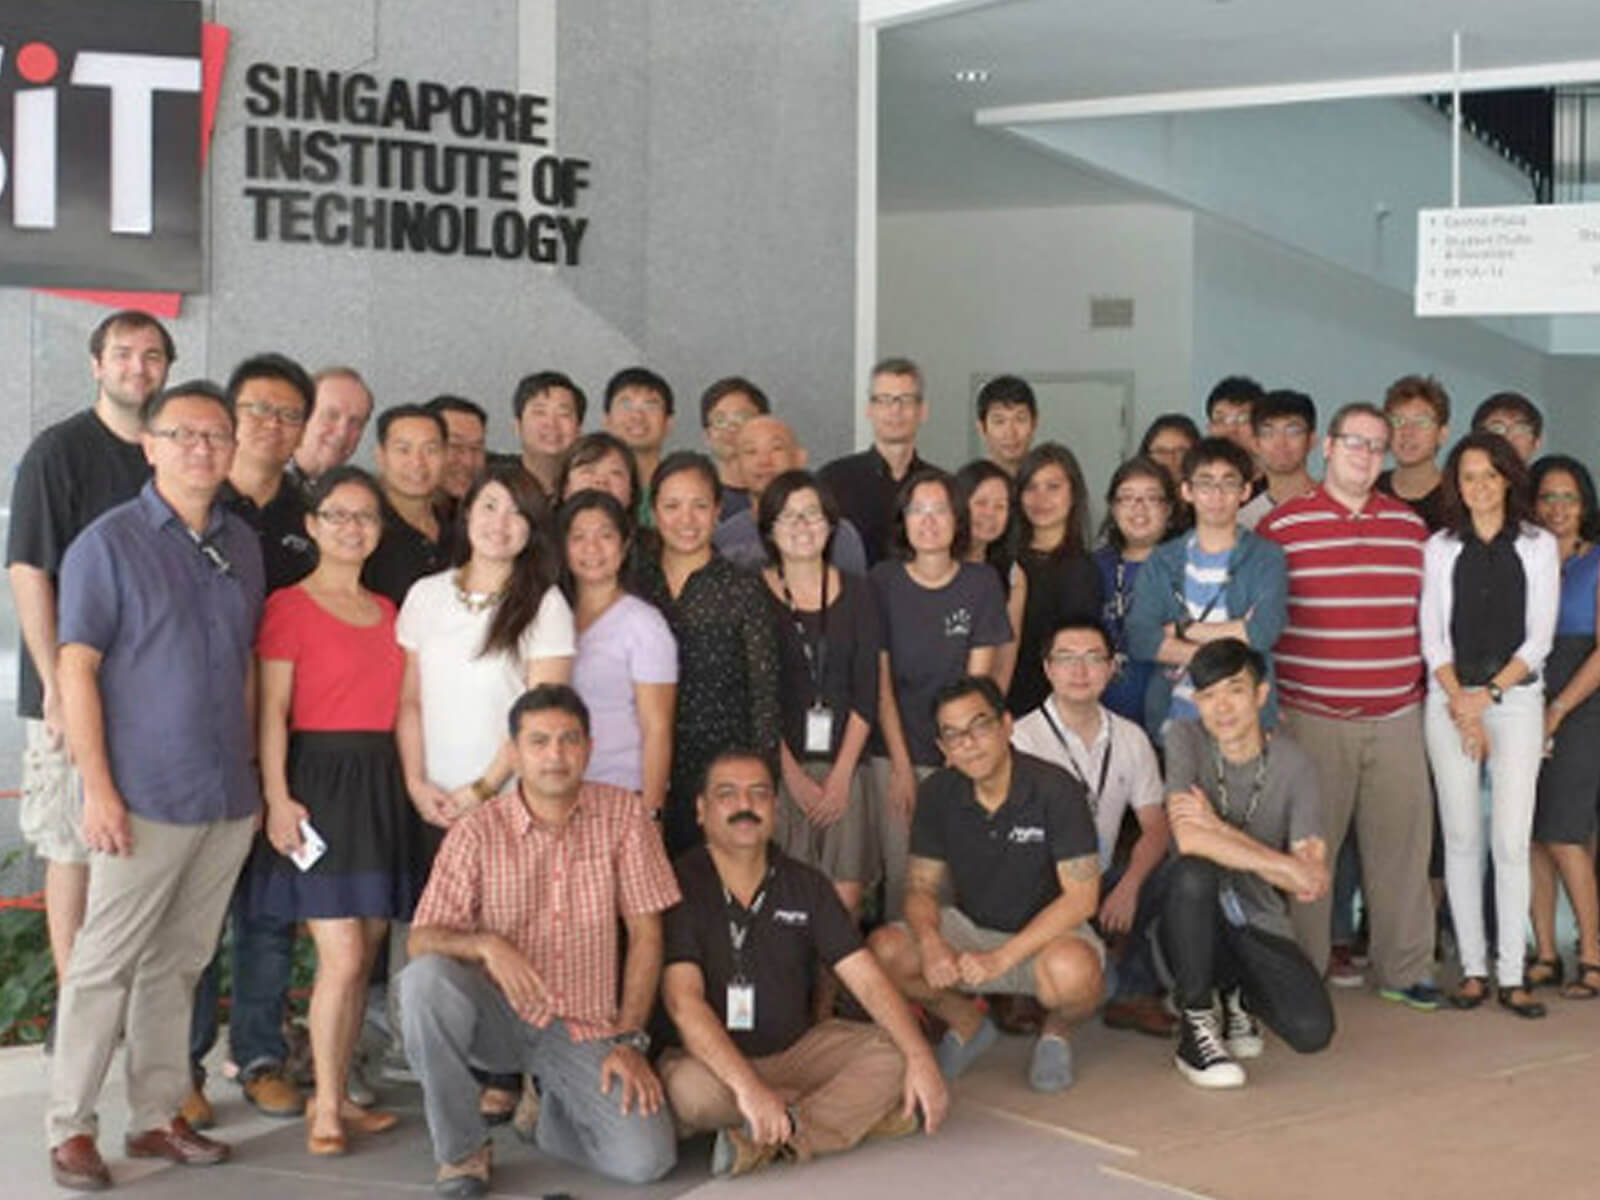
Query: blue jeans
{"type": "Point", "coordinates": [263, 952]}
{"type": "Point", "coordinates": [1135, 969]}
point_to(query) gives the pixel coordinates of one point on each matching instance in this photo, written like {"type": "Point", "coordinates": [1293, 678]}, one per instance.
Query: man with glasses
{"type": "Point", "coordinates": [1113, 760]}
{"type": "Point", "coordinates": [1283, 422]}
{"type": "Point", "coordinates": [1350, 676]}
{"type": "Point", "coordinates": [271, 397]}
{"type": "Point", "coordinates": [725, 406]}
{"type": "Point", "coordinates": [466, 428]}
{"type": "Point", "coordinates": [1418, 409]}
{"type": "Point", "coordinates": [638, 411]}
{"type": "Point", "coordinates": [867, 484]}
{"type": "Point", "coordinates": [766, 449]}
{"type": "Point", "coordinates": [73, 471]}
{"type": "Point", "coordinates": [160, 599]}
{"type": "Point", "coordinates": [1217, 581]}
{"type": "Point", "coordinates": [1229, 409]}
{"type": "Point", "coordinates": [1011, 837]}
{"type": "Point", "coordinates": [1514, 417]}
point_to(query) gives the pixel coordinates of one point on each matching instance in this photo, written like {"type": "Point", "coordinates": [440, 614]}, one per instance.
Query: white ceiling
{"type": "Point", "coordinates": [1039, 51]}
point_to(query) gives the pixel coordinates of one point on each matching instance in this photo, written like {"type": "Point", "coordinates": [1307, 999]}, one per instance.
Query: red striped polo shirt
{"type": "Point", "coordinates": [1352, 646]}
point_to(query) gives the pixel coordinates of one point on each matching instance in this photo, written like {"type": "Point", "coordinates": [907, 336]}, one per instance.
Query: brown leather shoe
{"type": "Point", "coordinates": [1142, 1014]}
{"type": "Point", "coordinates": [178, 1143]}
{"type": "Point", "coordinates": [76, 1164]}
{"type": "Point", "coordinates": [196, 1110]}
{"type": "Point", "coordinates": [274, 1095]}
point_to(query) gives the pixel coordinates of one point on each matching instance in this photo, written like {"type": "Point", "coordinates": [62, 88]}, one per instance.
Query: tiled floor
{"type": "Point", "coordinates": [1404, 1105]}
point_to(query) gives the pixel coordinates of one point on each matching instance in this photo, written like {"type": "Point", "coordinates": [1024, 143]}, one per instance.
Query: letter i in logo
{"type": "Point", "coordinates": [33, 151]}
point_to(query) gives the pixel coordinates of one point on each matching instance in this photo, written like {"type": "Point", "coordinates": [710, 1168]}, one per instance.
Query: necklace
{"type": "Point", "coordinates": [477, 602]}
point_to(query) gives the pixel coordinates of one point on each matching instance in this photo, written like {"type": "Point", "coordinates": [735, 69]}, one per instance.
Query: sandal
{"type": "Point", "coordinates": [1585, 983]}
{"type": "Point", "coordinates": [1527, 1007]}
{"type": "Point", "coordinates": [1543, 972]}
{"type": "Point", "coordinates": [1462, 998]}
{"type": "Point", "coordinates": [495, 1105]}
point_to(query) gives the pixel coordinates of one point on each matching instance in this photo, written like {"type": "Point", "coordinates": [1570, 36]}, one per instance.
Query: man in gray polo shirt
{"type": "Point", "coordinates": [160, 599]}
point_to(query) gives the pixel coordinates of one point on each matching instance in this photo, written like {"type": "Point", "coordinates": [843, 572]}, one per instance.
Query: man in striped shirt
{"type": "Point", "coordinates": [1350, 682]}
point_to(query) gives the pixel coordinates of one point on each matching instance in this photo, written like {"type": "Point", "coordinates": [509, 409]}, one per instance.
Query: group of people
{"type": "Point", "coordinates": [594, 749]}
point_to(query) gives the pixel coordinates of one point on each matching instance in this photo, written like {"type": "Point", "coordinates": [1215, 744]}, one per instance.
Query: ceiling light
{"type": "Point", "coordinates": [972, 75]}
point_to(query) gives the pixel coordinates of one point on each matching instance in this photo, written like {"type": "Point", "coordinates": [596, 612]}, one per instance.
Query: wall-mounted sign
{"type": "Point", "coordinates": [345, 158]}
{"type": "Point", "coordinates": [100, 144]}
{"type": "Point", "coordinates": [1526, 259]}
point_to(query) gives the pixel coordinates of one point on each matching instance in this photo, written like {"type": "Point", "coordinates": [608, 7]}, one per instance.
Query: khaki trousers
{"type": "Point", "coordinates": [840, 1078]}
{"type": "Point", "coordinates": [1374, 773]}
{"type": "Point", "coordinates": [150, 927]}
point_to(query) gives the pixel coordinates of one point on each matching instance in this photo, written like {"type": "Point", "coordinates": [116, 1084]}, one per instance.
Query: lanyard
{"type": "Point", "coordinates": [1257, 787]}
{"type": "Point", "coordinates": [817, 654]}
{"type": "Point", "coordinates": [739, 930]}
{"type": "Point", "coordinates": [1183, 599]}
{"type": "Point", "coordinates": [1099, 788]}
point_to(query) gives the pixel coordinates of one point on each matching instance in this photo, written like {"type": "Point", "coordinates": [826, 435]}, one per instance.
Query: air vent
{"type": "Point", "coordinates": [1110, 312]}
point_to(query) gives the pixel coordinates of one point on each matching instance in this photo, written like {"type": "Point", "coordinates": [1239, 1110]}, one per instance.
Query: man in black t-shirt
{"type": "Point", "coordinates": [742, 955]}
{"type": "Point", "coordinates": [74, 471]}
{"type": "Point", "coordinates": [415, 541]}
{"type": "Point", "coordinates": [1013, 836]}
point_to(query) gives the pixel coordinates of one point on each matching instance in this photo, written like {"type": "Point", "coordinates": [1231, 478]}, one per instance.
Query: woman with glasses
{"type": "Point", "coordinates": [728, 662]}
{"type": "Point", "coordinates": [1564, 820]}
{"type": "Point", "coordinates": [1139, 504]}
{"type": "Point", "coordinates": [475, 637]}
{"type": "Point", "coordinates": [330, 689]}
{"type": "Point", "coordinates": [988, 491]}
{"type": "Point", "coordinates": [1490, 592]}
{"type": "Point", "coordinates": [828, 642]}
{"type": "Point", "coordinates": [942, 618]}
{"type": "Point", "coordinates": [626, 668]}
{"type": "Point", "coordinates": [1053, 551]}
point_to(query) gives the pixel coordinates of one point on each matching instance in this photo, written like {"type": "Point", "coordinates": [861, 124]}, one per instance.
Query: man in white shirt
{"type": "Point", "coordinates": [1113, 759]}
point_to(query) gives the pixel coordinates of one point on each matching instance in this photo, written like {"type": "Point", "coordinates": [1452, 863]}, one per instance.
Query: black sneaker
{"type": "Point", "coordinates": [1201, 1057]}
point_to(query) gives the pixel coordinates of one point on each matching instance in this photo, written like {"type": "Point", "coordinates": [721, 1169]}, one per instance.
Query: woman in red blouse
{"type": "Point", "coordinates": [330, 688]}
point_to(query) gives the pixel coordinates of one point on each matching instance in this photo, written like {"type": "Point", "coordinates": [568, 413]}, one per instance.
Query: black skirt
{"type": "Point", "coordinates": [355, 796]}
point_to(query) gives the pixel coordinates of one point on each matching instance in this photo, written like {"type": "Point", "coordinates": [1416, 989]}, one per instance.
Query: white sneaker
{"type": "Point", "coordinates": [1241, 1033]}
{"type": "Point", "coordinates": [1201, 1057]}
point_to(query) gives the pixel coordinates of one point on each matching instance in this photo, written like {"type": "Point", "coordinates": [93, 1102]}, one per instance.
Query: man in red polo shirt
{"type": "Point", "coordinates": [1350, 679]}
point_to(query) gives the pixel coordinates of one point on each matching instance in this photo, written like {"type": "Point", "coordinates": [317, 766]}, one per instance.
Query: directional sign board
{"type": "Point", "coordinates": [1500, 261]}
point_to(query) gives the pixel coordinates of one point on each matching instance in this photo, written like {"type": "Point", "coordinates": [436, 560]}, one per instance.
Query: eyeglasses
{"type": "Point", "coordinates": [1122, 500]}
{"type": "Point", "coordinates": [641, 404]}
{"type": "Point", "coordinates": [722, 422]}
{"type": "Point", "coordinates": [806, 516]}
{"type": "Point", "coordinates": [188, 439]}
{"type": "Point", "coordinates": [1355, 442]}
{"type": "Point", "coordinates": [1067, 658]}
{"type": "Point", "coordinates": [1507, 428]}
{"type": "Point", "coordinates": [292, 418]}
{"type": "Point", "coordinates": [340, 517]}
{"type": "Point", "coordinates": [1294, 429]}
{"type": "Point", "coordinates": [1216, 487]}
{"type": "Point", "coordinates": [896, 399]}
{"type": "Point", "coordinates": [1560, 498]}
{"type": "Point", "coordinates": [980, 727]}
{"type": "Point", "coordinates": [1417, 422]}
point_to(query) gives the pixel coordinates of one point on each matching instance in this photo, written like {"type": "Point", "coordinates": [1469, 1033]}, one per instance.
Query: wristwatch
{"type": "Point", "coordinates": [1494, 691]}
{"type": "Point", "coordinates": [634, 1039]}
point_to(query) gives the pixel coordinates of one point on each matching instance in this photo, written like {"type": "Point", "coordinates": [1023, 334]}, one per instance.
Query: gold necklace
{"type": "Point", "coordinates": [477, 602]}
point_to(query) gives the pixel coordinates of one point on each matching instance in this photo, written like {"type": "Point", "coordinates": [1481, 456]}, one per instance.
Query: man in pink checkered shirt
{"type": "Point", "coordinates": [514, 949]}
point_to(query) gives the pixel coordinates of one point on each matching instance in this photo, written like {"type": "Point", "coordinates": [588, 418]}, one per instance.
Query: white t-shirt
{"type": "Point", "coordinates": [465, 695]}
{"type": "Point", "coordinates": [1121, 751]}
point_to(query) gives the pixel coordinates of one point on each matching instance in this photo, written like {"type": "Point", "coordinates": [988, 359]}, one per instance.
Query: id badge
{"type": "Point", "coordinates": [819, 730]}
{"type": "Point", "coordinates": [741, 1006]}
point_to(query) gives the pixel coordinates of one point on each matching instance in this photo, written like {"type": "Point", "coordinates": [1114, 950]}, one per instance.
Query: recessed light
{"type": "Point", "coordinates": [972, 75]}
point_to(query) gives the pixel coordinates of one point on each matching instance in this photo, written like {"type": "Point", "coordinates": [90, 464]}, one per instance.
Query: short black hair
{"type": "Point", "coordinates": [591, 448]}
{"type": "Point", "coordinates": [204, 389]}
{"type": "Point", "coordinates": [130, 318]}
{"type": "Point", "coordinates": [1138, 467]}
{"type": "Point", "coordinates": [1283, 402]}
{"type": "Point", "coordinates": [401, 412]}
{"type": "Point", "coordinates": [448, 402]}
{"type": "Point", "coordinates": [900, 543]}
{"type": "Point", "coordinates": [337, 477]}
{"type": "Point", "coordinates": [272, 365]}
{"type": "Point", "coordinates": [1224, 658]}
{"type": "Point", "coordinates": [1074, 624]}
{"type": "Point", "coordinates": [969, 685]}
{"type": "Point", "coordinates": [543, 698]}
{"type": "Point", "coordinates": [530, 386]}
{"type": "Point", "coordinates": [1235, 389]}
{"type": "Point", "coordinates": [643, 378]}
{"type": "Point", "coordinates": [1011, 391]}
{"type": "Point", "coordinates": [1510, 402]}
{"type": "Point", "coordinates": [729, 386]}
{"type": "Point", "coordinates": [736, 754]}
{"type": "Point", "coordinates": [680, 461]}
{"type": "Point", "coordinates": [1217, 449]}
{"type": "Point", "coordinates": [777, 495]}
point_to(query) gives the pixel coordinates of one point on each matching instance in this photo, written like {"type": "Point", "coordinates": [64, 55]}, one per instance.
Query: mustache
{"type": "Point", "coordinates": [745, 814]}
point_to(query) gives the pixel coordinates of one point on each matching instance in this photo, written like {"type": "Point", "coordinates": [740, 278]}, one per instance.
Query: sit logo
{"type": "Point", "coordinates": [99, 136]}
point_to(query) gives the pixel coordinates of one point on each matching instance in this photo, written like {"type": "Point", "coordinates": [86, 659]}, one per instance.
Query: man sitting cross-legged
{"type": "Point", "coordinates": [742, 953]}
{"type": "Point", "coordinates": [1014, 835]}
{"type": "Point", "coordinates": [1247, 819]}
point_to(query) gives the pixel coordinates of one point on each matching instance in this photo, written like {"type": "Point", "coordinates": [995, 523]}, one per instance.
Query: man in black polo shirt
{"type": "Point", "coordinates": [410, 458]}
{"type": "Point", "coordinates": [742, 951]}
{"type": "Point", "coordinates": [865, 484]}
{"type": "Point", "coordinates": [1015, 838]}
